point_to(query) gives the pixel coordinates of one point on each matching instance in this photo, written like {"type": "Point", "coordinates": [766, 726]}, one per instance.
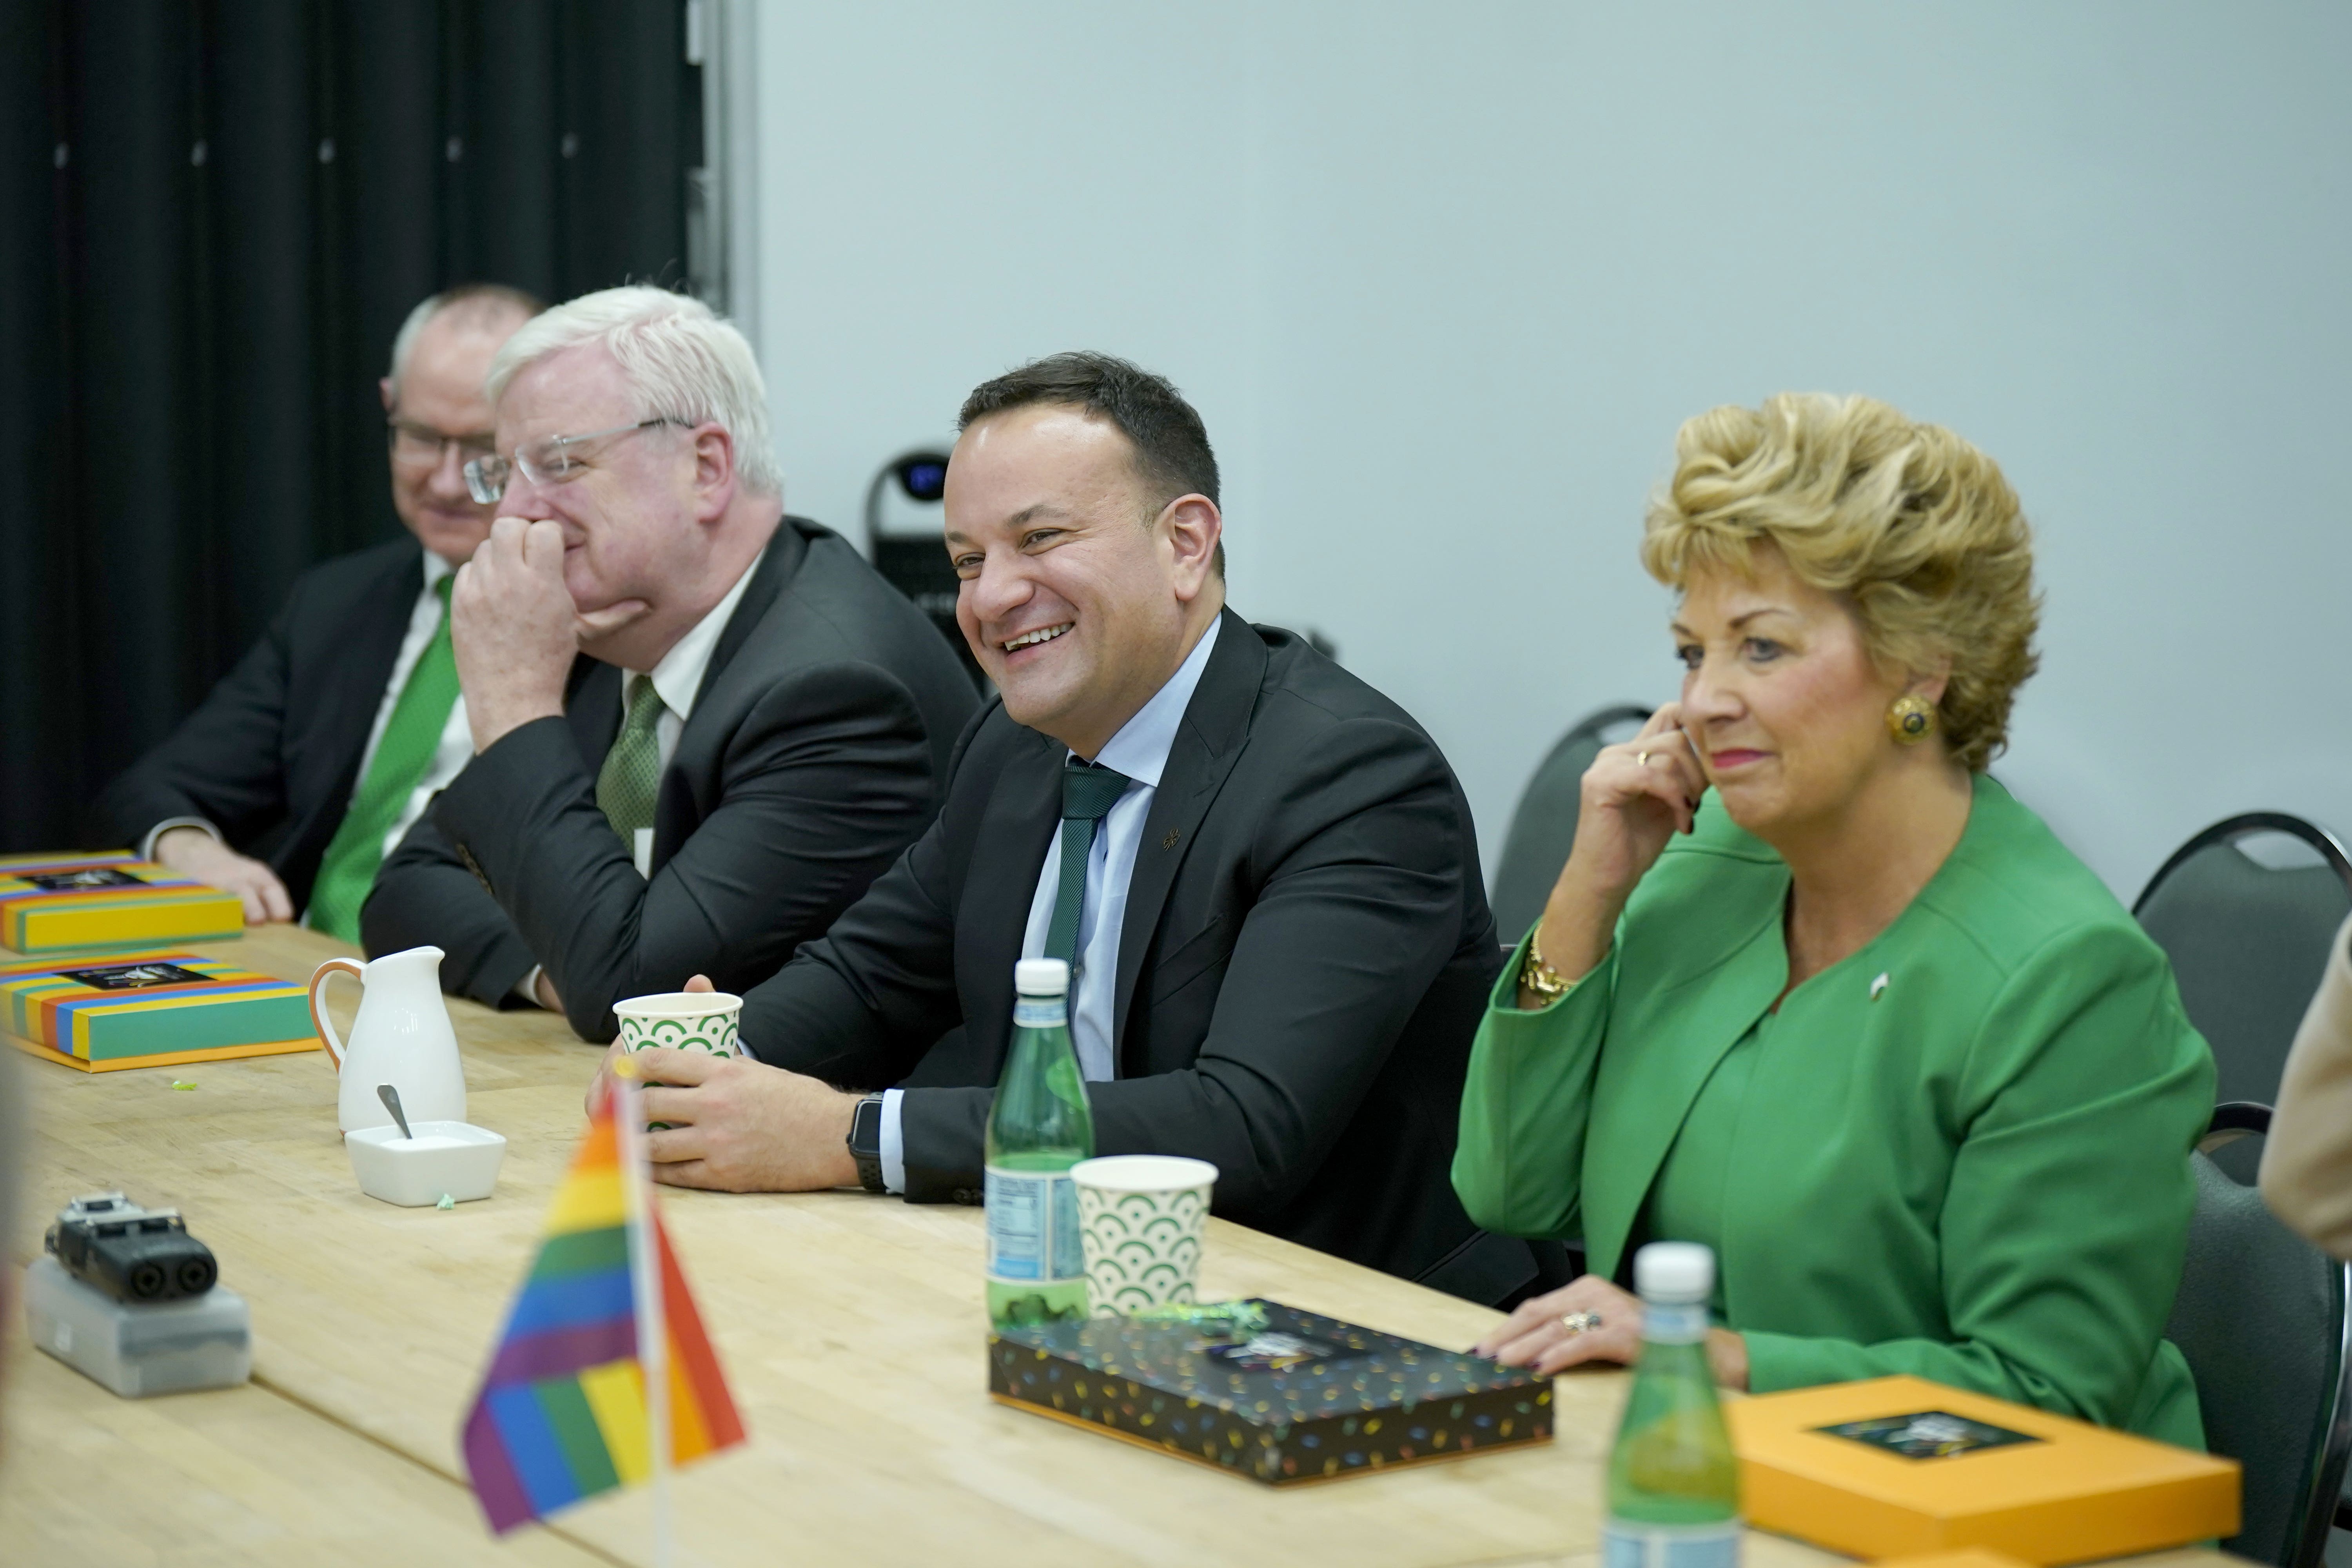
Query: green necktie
{"type": "Point", "coordinates": [630, 779]}
{"type": "Point", "coordinates": [410, 738]}
{"type": "Point", "coordinates": [1088, 792]}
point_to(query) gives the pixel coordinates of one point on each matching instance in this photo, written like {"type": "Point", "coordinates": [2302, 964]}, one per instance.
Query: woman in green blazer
{"type": "Point", "coordinates": [1814, 991]}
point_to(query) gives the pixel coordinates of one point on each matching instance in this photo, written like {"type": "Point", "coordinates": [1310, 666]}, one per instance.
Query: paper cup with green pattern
{"type": "Point", "coordinates": [1143, 1217]}
{"type": "Point", "coordinates": [702, 1021]}
{"type": "Point", "coordinates": [681, 1021]}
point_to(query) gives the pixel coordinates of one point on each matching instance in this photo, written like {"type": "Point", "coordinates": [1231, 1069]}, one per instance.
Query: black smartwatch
{"type": "Point", "coordinates": [866, 1142]}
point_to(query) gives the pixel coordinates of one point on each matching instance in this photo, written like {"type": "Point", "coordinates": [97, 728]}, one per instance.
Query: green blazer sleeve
{"type": "Point", "coordinates": [1518, 1168]}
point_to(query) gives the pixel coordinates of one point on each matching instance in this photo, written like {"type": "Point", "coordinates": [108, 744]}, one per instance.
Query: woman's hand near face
{"type": "Point", "coordinates": [1637, 797]}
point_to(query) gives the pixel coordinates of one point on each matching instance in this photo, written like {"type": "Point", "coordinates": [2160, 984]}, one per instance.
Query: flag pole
{"type": "Point", "coordinates": [645, 1279]}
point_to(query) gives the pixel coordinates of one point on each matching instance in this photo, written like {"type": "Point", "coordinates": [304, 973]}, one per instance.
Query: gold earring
{"type": "Point", "coordinates": [1911, 718]}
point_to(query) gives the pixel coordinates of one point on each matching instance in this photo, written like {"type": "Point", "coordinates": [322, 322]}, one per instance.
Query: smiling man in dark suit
{"type": "Point", "coordinates": [1283, 946]}
{"type": "Point", "coordinates": [311, 758]}
{"type": "Point", "coordinates": [700, 727]}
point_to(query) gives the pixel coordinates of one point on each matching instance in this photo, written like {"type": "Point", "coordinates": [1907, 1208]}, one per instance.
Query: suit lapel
{"type": "Point", "coordinates": [771, 575]}
{"type": "Point", "coordinates": [353, 692]}
{"type": "Point", "coordinates": [1022, 811]}
{"type": "Point", "coordinates": [591, 706]}
{"type": "Point", "coordinates": [359, 681]}
{"type": "Point", "coordinates": [1208, 744]}
{"type": "Point", "coordinates": [719, 705]}
{"type": "Point", "coordinates": [1686, 1034]}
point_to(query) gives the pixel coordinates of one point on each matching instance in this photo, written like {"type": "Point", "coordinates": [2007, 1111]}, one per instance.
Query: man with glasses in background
{"type": "Point", "coordinates": [309, 760]}
{"type": "Point", "coordinates": [700, 727]}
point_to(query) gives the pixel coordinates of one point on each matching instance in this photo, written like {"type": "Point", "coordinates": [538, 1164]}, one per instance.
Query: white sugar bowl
{"type": "Point", "coordinates": [455, 1160]}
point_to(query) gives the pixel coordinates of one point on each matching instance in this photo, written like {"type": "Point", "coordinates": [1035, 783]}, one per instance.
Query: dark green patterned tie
{"type": "Point", "coordinates": [1088, 792]}
{"type": "Point", "coordinates": [631, 777]}
{"type": "Point", "coordinates": [402, 752]}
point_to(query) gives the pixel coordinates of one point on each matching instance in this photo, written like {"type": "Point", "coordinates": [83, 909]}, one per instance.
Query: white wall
{"type": "Point", "coordinates": [1444, 279]}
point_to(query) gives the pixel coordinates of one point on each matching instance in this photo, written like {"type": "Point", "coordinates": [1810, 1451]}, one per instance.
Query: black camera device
{"type": "Point", "coordinates": [139, 1257]}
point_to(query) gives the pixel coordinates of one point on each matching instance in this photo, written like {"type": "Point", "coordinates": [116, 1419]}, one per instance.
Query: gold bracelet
{"type": "Point", "coordinates": [1540, 977]}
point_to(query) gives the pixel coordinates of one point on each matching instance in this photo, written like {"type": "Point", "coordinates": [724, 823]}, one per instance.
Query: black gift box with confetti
{"type": "Point", "coordinates": [1307, 1399]}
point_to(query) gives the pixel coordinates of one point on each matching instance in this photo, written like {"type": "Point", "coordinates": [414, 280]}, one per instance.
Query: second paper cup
{"type": "Point", "coordinates": [1143, 1217]}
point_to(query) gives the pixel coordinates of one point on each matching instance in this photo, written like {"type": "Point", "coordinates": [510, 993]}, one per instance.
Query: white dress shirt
{"type": "Point", "coordinates": [678, 680]}
{"type": "Point", "coordinates": [678, 676]}
{"type": "Point", "coordinates": [450, 756]}
{"type": "Point", "coordinates": [1140, 751]}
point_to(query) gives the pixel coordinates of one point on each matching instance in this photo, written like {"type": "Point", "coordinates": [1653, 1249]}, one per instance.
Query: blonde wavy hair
{"type": "Point", "coordinates": [1915, 530]}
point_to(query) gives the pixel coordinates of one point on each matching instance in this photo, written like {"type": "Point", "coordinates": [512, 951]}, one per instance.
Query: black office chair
{"type": "Point", "coordinates": [914, 484]}
{"type": "Point", "coordinates": [2248, 939]}
{"type": "Point", "coordinates": [1543, 826]}
{"type": "Point", "coordinates": [2262, 1318]}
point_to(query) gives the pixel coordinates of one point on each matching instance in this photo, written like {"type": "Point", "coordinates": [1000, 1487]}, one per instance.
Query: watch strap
{"type": "Point", "coordinates": [866, 1144]}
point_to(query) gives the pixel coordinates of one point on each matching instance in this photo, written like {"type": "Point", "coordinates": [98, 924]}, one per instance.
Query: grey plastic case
{"type": "Point", "coordinates": [168, 1348]}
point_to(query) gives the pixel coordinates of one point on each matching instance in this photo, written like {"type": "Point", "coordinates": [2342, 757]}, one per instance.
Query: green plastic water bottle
{"type": "Point", "coordinates": [1674, 1483]}
{"type": "Point", "coordinates": [1038, 1128]}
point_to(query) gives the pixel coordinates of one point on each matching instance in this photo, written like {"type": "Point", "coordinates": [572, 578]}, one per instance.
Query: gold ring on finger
{"type": "Point", "coordinates": [1641, 759]}
{"type": "Point", "coordinates": [1579, 1322]}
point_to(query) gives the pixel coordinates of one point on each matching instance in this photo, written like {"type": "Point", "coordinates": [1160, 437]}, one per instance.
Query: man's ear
{"type": "Point", "coordinates": [391, 394]}
{"type": "Point", "coordinates": [714, 470]}
{"type": "Point", "coordinates": [1192, 526]}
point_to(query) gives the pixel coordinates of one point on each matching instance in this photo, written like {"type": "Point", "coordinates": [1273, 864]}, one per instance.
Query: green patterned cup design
{"type": "Point", "coordinates": [1143, 1217]}
{"type": "Point", "coordinates": [681, 1021]}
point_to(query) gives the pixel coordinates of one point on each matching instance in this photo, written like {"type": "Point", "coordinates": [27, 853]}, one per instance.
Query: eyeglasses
{"type": "Point", "coordinates": [546, 461]}
{"type": "Point", "coordinates": [423, 447]}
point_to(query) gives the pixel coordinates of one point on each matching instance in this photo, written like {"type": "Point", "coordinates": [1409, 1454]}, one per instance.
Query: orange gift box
{"type": "Point", "coordinates": [1896, 1467]}
{"type": "Point", "coordinates": [1968, 1557]}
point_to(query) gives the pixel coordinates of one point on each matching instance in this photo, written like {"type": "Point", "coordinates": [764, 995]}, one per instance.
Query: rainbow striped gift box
{"type": "Point", "coordinates": [49, 903]}
{"type": "Point", "coordinates": [151, 1009]}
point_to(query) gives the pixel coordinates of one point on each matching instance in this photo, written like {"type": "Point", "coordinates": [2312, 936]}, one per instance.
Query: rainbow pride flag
{"type": "Point", "coordinates": [562, 1413]}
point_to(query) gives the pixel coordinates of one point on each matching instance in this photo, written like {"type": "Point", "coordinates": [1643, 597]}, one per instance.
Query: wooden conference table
{"type": "Point", "coordinates": [850, 1328]}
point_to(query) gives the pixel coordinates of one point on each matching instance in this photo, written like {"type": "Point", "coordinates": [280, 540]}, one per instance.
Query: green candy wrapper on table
{"type": "Point", "coordinates": [1303, 1398]}
{"type": "Point", "coordinates": [1222, 1319]}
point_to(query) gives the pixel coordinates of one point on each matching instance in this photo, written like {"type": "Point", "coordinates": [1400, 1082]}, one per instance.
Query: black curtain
{"type": "Point", "coordinates": [213, 215]}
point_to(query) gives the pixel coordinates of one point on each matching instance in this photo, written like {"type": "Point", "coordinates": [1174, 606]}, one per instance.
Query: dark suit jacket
{"type": "Point", "coordinates": [813, 756]}
{"type": "Point", "coordinates": [275, 749]}
{"type": "Point", "coordinates": [1305, 957]}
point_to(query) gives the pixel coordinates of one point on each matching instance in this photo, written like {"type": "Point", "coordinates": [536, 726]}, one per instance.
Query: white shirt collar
{"type": "Point", "coordinates": [435, 570]}
{"type": "Point", "coordinates": [1141, 748]}
{"type": "Point", "coordinates": [678, 676]}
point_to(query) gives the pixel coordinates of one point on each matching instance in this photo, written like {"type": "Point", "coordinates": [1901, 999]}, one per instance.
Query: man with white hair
{"type": "Point", "coordinates": [309, 760]}
{"type": "Point", "coordinates": [700, 727]}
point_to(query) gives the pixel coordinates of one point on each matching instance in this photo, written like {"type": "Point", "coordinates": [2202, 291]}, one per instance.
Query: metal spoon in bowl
{"type": "Point", "coordinates": [391, 1098]}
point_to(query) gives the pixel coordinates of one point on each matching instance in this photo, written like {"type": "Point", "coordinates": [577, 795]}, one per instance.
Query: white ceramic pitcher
{"type": "Point", "coordinates": [402, 1037]}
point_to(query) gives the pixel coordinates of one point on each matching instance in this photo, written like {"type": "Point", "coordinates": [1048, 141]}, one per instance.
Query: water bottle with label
{"type": "Point", "coordinates": [1674, 1482]}
{"type": "Point", "coordinates": [1038, 1128]}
